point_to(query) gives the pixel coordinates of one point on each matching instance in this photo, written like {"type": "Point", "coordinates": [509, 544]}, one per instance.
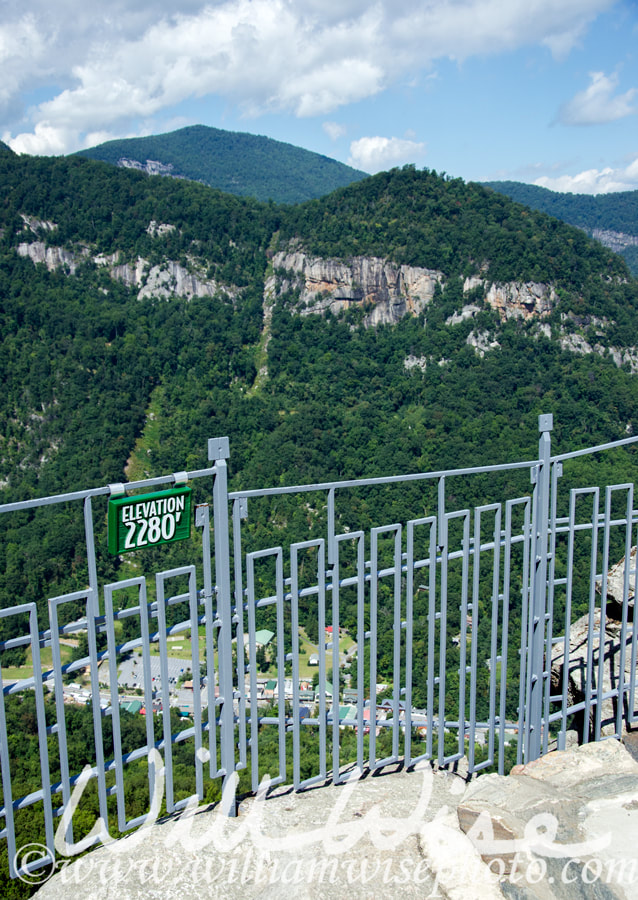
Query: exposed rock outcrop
{"type": "Point", "coordinates": [52, 257]}
{"type": "Point", "coordinates": [617, 595]}
{"type": "Point", "coordinates": [150, 166]}
{"type": "Point", "coordinates": [521, 301]}
{"type": "Point", "coordinates": [615, 240]}
{"type": "Point", "coordinates": [584, 663]}
{"type": "Point", "coordinates": [576, 343]}
{"type": "Point", "coordinates": [415, 362]}
{"type": "Point", "coordinates": [159, 229]}
{"type": "Point", "coordinates": [167, 280]}
{"type": "Point", "coordinates": [37, 225]}
{"type": "Point", "coordinates": [561, 827]}
{"type": "Point", "coordinates": [468, 312]}
{"type": "Point", "coordinates": [514, 299]}
{"type": "Point", "coordinates": [388, 291]}
{"type": "Point", "coordinates": [482, 342]}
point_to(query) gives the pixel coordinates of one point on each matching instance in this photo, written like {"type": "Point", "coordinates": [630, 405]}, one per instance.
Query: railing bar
{"type": "Point", "coordinates": [294, 634]}
{"type": "Point", "coordinates": [384, 479]}
{"type": "Point", "coordinates": [623, 628]}
{"type": "Point", "coordinates": [374, 585]}
{"type": "Point", "coordinates": [333, 550]}
{"type": "Point", "coordinates": [494, 635]}
{"type": "Point", "coordinates": [241, 651]}
{"type": "Point", "coordinates": [597, 449]}
{"type": "Point", "coordinates": [396, 654]}
{"type": "Point", "coordinates": [361, 643]}
{"type": "Point", "coordinates": [252, 667]}
{"type": "Point", "coordinates": [556, 472]}
{"type": "Point", "coordinates": [281, 655]}
{"type": "Point", "coordinates": [21, 505]}
{"type": "Point", "coordinates": [603, 612]}
{"type": "Point", "coordinates": [476, 562]}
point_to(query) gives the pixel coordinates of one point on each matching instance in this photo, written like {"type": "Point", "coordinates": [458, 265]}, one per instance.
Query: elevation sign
{"type": "Point", "coordinates": [149, 519]}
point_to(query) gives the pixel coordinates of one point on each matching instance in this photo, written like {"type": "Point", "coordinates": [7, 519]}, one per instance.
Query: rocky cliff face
{"type": "Point", "coordinates": [521, 301]}
{"type": "Point", "coordinates": [170, 279]}
{"type": "Point", "coordinates": [165, 281]}
{"type": "Point", "coordinates": [52, 257]}
{"type": "Point", "coordinates": [615, 240]}
{"type": "Point", "coordinates": [151, 166]}
{"type": "Point", "coordinates": [386, 291]}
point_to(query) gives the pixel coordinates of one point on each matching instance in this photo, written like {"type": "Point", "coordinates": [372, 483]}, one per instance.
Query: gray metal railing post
{"type": "Point", "coordinates": [218, 451]}
{"type": "Point", "coordinates": [536, 638]}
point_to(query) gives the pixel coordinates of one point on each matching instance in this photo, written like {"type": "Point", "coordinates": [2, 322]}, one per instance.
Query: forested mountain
{"type": "Point", "coordinates": [141, 316]}
{"type": "Point", "coordinates": [407, 322]}
{"type": "Point", "coordinates": [611, 218]}
{"type": "Point", "coordinates": [236, 162]}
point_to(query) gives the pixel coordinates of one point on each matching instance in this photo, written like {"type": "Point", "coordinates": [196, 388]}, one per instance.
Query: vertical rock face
{"type": "Point", "coordinates": [514, 300]}
{"type": "Point", "coordinates": [388, 291]}
{"type": "Point", "coordinates": [384, 290]}
{"type": "Point", "coordinates": [615, 240]}
{"type": "Point", "coordinates": [167, 280]}
{"type": "Point", "coordinates": [51, 257]}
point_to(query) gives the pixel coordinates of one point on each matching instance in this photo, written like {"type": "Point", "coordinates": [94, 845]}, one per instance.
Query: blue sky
{"type": "Point", "coordinates": [539, 91]}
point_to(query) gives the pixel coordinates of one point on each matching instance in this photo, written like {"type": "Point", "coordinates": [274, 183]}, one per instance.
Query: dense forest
{"type": "Point", "coordinates": [617, 212]}
{"type": "Point", "coordinates": [85, 360]}
{"type": "Point", "coordinates": [103, 382]}
{"type": "Point", "coordinates": [236, 162]}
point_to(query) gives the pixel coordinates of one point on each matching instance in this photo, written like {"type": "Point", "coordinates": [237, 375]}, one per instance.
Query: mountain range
{"type": "Point", "coordinates": [405, 322]}
{"type": "Point", "coordinates": [236, 162]}
{"type": "Point", "coordinates": [257, 166]}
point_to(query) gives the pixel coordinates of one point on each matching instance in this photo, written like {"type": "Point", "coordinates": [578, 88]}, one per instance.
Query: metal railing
{"type": "Point", "coordinates": [452, 627]}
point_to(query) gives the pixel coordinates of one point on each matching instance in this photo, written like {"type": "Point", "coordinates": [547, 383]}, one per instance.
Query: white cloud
{"type": "Point", "coordinates": [597, 103]}
{"type": "Point", "coordinates": [334, 130]}
{"type": "Point", "coordinates": [594, 181]}
{"type": "Point", "coordinates": [40, 41]}
{"type": "Point", "coordinates": [373, 154]}
{"type": "Point", "coordinates": [459, 29]}
{"type": "Point", "coordinates": [307, 59]}
{"type": "Point", "coordinates": [21, 49]}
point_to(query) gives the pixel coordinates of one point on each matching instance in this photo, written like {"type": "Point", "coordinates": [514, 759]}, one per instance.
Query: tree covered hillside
{"type": "Point", "coordinates": [239, 163]}
{"type": "Point", "coordinates": [616, 212]}
{"type": "Point", "coordinates": [103, 381]}
{"type": "Point", "coordinates": [421, 218]}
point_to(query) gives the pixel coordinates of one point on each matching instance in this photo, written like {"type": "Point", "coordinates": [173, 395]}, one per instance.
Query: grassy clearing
{"type": "Point", "coordinates": [17, 673]}
{"type": "Point", "coordinates": [137, 468]}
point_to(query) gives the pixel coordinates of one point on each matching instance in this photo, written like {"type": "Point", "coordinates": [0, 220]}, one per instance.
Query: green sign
{"type": "Point", "coordinates": [149, 519]}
